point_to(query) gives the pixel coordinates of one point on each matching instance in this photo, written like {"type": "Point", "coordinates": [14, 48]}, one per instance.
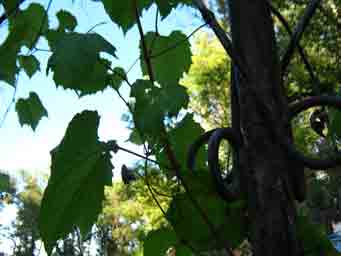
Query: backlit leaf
{"type": "Point", "coordinates": [30, 64]}
{"type": "Point", "coordinates": [76, 63]}
{"type": "Point", "coordinates": [30, 111]}
{"type": "Point", "coordinates": [170, 56]}
{"type": "Point", "coordinates": [66, 20]}
{"type": "Point", "coordinates": [80, 169]}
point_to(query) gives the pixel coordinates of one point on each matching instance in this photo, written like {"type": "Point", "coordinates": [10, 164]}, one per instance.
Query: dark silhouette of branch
{"type": "Point", "coordinates": [300, 49]}
{"type": "Point", "coordinates": [298, 32]}
{"type": "Point", "coordinates": [210, 19]}
{"type": "Point", "coordinates": [160, 207]}
{"type": "Point", "coordinates": [146, 55]}
{"type": "Point", "coordinates": [162, 52]}
{"type": "Point", "coordinates": [213, 160]}
{"type": "Point", "coordinates": [8, 14]}
{"type": "Point", "coordinates": [195, 146]}
{"type": "Point", "coordinates": [296, 108]}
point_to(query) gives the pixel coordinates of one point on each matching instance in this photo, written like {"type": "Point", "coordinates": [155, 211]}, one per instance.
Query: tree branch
{"type": "Point", "coordinates": [300, 49]}
{"type": "Point", "coordinates": [296, 108]}
{"type": "Point", "coordinates": [298, 32]}
{"type": "Point", "coordinates": [210, 19]}
{"type": "Point", "coordinates": [213, 160]}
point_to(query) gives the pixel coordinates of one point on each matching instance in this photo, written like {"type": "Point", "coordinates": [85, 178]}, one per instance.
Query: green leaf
{"type": "Point", "coordinates": [123, 12]}
{"type": "Point", "coordinates": [228, 221]}
{"type": "Point", "coordinates": [24, 31]}
{"type": "Point", "coordinates": [30, 64]}
{"type": "Point", "coordinates": [159, 241]}
{"type": "Point", "coordinates": [135, 138]}
{"type": "Point", "coordinates": [76, 63]}
{"type": "Point", "coordinates": [30, 110]}
{"type": "Point", "coordinates": [170, 56]}
{"type": "Point", "coordinates": [165, 7]}
{"type": "Point", "coordinates": [181, 137]}
{"type": "Point", "coordinates": [80, 169]}
{"type": "Point", "coordinates": [148, 116]}
{"type": "Point", "coordinates": [334, 126]}
{"type": "Point", "coordinates": [66, 20]}
{"type": "Point", "coordinates": [153, 104]}
{"type": "Point", "coordinates": [117, 77]}
{"type": "Point", "coordinates": [28, 25]}
{"type": "Point", "coordinates": [8, 65]}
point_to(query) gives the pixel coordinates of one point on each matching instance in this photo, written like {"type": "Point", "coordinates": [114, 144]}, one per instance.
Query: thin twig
{"type": "Point", "coordinates": [144, 46]}
{"type": "Point", "coordinates": [96, 25]}
{"type": "Point", "coordinates": [11, 103]}
{"type": "Point", "coordinates": [175, 45]}
{"type": "Point", "coordinates": [181, 241]}
{"type": "Point", "coordinates": [142, 157]}
{"type": "Point", "coordinates": [298, 32]}
{"type": "Point", "coordinates": [157, 21]}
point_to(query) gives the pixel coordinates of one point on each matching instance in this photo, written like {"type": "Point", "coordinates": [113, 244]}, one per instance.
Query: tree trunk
{"type": "Point", "coordinates": [264, 164]}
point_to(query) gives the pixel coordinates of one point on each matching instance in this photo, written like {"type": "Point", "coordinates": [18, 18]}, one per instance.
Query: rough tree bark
{"type": "Point", "coordinates": [264, 164]}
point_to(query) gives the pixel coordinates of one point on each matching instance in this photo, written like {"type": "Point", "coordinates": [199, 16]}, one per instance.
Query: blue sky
{"type": "Point", "coordinates": [23, 149]}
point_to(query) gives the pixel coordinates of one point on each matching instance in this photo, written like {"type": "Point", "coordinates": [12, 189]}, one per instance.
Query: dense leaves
{"type": "Point", "coordinates": [80, 169]}
{"type": "Point", "coordinates": [30, 110]}
{"type": "Point", "coordinates": [228, 222]}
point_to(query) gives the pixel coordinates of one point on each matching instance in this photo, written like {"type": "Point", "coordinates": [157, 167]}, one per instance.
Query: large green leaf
{"type": "Point", "coordinates": [30, 64]}
{"type": "Point", "coordinates": [30, 110]}
{"type": "Point", "coordinates": [154, 103]}
{"type": "Point", "coordinates": [228, 221]}
{"type": "Point", "coordinates": [24, 30]}
{"type": "Point", "coordinates": [66, 20]}
{"type": "Point", "coordinates": [80, 169]}
{"type": "Point", "coordinates": [76, 63]}
{"type": "Point", "coordinates": [170, 56]}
